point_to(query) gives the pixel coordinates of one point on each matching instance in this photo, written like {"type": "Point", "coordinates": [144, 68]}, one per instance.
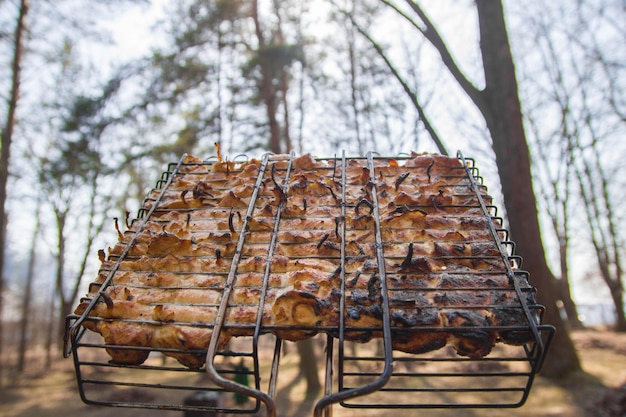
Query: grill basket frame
{"type": "Point", "coordinates": [353, 379]}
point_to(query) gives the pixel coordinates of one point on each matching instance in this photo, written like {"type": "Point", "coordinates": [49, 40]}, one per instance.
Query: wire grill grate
{"type": "Point", "coordinates": [357, 375]}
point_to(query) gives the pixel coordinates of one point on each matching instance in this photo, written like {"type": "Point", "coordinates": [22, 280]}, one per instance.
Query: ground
{"type": "Point", "coordinates": [599, 391]}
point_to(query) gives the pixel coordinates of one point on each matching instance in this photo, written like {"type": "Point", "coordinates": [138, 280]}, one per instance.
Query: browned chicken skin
{"type": "Point", "coordinates": [446, 276]}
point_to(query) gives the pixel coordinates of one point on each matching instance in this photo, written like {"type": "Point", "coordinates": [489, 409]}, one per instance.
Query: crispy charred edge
{"type": "Point", "coordinates": [332, 246]}
{"type": "Point", "coordinates": [218, 150]}
{"type": "Point", "coordinates": [469, 334]}
{"type": "Point", "coordinates": [355, 279]}
{"type": "Point", "coordinates": [418, 331]}
{"type": "Point", "coordinates": [231, 227]}
{"type": "Point", "coordinates": [433, 198]}
{"type": "Point", "coordinates": [279, 188]}
{"type": "Point", "coordinates": [321, 242]}
{"type": "Point", "coordinates": [196, 193]}
{"type": "Point", "coordinates": [417, 343]}
{"type": "Point", "coordinates": [419, 264]}
{"type": "Point", "coordinates": [409, 257]}
{"type": "Point", "coordinates": [120, 235]}
{"type": "Point", "coordinates": [127, 219]}
{"type": "Point", "coordinates": [400, 179]}
{"type": "Point", "coordinates": [336, 273]}
{"type": "Point", "coordinates": [373, 288]}
{"type": "Point", "coordinates": [332, 192]}
{"type": "Point", "coordinates": [359, 248]}
{"type": "Point", "coordinates": [430, 166]}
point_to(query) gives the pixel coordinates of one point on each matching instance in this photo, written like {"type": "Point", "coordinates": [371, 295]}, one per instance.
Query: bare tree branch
{"type": "Point", "coordinates": [6, 137]}
{"type": "Point", "coordinates": [431, 33]}
{"type": "Point", "coordinates": [414, 99]}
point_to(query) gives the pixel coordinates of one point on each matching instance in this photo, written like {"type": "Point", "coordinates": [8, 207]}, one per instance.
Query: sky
{"type": "Point", "coordinates": [133, 32]}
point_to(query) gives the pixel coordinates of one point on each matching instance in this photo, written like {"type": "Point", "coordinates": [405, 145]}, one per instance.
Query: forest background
{"type": "Point", "coordinates": [89, 121]}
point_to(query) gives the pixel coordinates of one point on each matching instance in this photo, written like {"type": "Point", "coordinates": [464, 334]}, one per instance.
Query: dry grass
{"type": "Point", "coordinates": [603, 354]}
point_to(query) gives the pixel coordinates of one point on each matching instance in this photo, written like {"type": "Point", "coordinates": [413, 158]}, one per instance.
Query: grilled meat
{"type": "Point", "coordinates": [162, 284]}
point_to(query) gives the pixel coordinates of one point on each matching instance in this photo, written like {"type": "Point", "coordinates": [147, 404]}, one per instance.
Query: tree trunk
{"type": "Point", "coordinates": [563, 235]}
{"type": "Point", "coordinates": [564, 289]}
{"type": "Point", "coordinates": [60, 281]}
{"type": "Point", "coordinates": [354, 101]}
{"type": "Point", "coordinates": [5, 148]}
{"type": "Point", "coordinates": [308, 363]}
{"type": "Point", "coordinates": [26, 305]}
{"type": "Point", "coordinates": [503, 115]}
{"type": "Point", "coordinates": [268, 92]}
{"type": "Point", "coordinates": [308, 367]}
{"type": "Point", "coordinates": [499, 105]}
{"type": "Point", "coordinates": [50, 331]}
{"type": "Point", "coordinates": [618, 299]}
{"type": "Point", "coordinates": [284, 87]}
{"type": "Point", "coordinates": [569, 305]}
